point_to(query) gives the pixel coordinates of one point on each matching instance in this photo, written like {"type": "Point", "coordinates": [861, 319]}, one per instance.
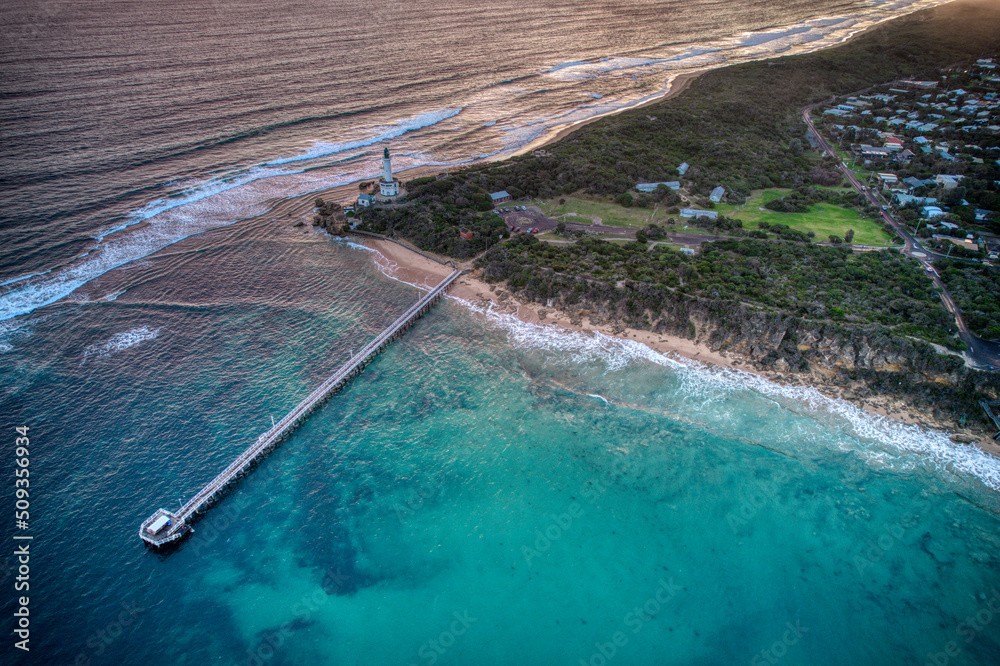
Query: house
{"type": "Point", "coordinates": [682, 169]}
{"type": "Point", "coordinates": [365, 200]}
{"type": "Point", "coordinates": [888, 180]}
{"type": "Point", "coordinates": [948, 182]}
{"type": "Point", "coordinates": [651, 187]}
{"type": "Point", "coordinates": [874, 152]}
{"type": "Point", "coordinates": [696, 213]}
{"type": "Point", "coordinates": [500, 197]}
{"type": "Point", "coordinates": [906, 199]}
{"type": "Point", "coordinates": [983, 215]}
{"type": "Point", "coordinates": [717, 194]}
{"type": "Point", "coordinates": [951, 226]}
{"type": "Point", "coordinates": [465, 234]}
{"type": "Point", "coordinates": [906, 155]}
{"type": "Point", "coordinates": [687, 250]}
{"type": "Point", "coordinates": [931, 212]}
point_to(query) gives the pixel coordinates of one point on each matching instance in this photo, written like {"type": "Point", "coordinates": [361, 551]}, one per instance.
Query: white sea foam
{"type": "Point", "coordinates": [214, 204]}
{"type": "Point", "coordinates": [378, 135]}
{"type": "Point", "coordinates": [121, 341]}
{"type": "Point", "coordinates": [880, 441]}
{"type": "Point", "coordinates": [806, 36]}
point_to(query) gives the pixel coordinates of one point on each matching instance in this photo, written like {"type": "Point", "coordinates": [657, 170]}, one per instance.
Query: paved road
{"type": "Point", "coordinates": [982, 352]}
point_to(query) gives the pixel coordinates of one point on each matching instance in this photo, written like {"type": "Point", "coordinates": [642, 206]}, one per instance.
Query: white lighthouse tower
{"type": "Point", "coordinates": [388, 186]}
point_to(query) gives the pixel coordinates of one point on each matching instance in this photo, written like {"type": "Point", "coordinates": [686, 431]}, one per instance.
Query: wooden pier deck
{"type": "Point", "coordinates": [164, 526]}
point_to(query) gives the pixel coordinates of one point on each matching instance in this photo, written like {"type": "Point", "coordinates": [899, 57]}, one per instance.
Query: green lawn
{"type": "Point", "coordinates": [611, 214]}
{"type": "Point", "coordinates": [823, 219]}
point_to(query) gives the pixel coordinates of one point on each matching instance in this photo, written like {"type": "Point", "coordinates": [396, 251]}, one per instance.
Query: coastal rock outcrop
{"type": "Point", "coordinates": [331, 217]}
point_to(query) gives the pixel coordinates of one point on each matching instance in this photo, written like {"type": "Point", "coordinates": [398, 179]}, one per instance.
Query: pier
{"type": "Point", "coordinates": [165, 527]}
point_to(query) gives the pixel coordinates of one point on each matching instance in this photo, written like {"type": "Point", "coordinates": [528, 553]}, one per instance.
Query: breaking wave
{"type": "Point", "coordinates": [828, 422]}
{"type": "Point", "coordinates": [120, 342]}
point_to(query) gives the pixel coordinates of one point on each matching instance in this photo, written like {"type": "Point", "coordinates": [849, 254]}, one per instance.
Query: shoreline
{"type": "Point", "coordinates": [348, 192]}
{"type": "Point", "coordinates": [410, 267]}
{"type": "Point", "coordinates": [675, 86]}
{"type": "Point", "coordinates": [399, 263]}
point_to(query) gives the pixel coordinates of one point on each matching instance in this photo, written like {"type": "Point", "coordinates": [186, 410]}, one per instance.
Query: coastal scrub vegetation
{"type": "Point", "coordinates": [865, 317]}
{"type": "Point", "coordinates": [436, 214]}
{"type": "Point", "coordinates": [976, 291]}
{"type": "Point", "coordinates": [778, 297]}
{"type": "Point", "coordinates": [650, 289]}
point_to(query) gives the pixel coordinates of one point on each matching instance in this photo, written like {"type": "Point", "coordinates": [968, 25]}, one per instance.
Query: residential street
{"type": "Point", "coordinates": [982, 352]}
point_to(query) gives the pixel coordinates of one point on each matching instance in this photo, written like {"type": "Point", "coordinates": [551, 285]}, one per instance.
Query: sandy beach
{"type": "Point", "coordinates": [408, 266]}
{"type": "Point", "coordinates": [411, 267]}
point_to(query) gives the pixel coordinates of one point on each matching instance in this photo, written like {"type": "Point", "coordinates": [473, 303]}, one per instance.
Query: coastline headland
{"type": "Point", "coordinates": [417, 270]}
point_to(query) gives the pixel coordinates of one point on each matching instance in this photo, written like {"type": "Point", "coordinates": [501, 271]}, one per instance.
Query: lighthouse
{"type": "Point", "coordinates": [388, 186]}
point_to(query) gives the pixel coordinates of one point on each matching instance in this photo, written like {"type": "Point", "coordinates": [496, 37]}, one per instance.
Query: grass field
{"type": "Point", "coordinates": [611, 214]}
{"type": "Point", "coordinates": [822, 219]}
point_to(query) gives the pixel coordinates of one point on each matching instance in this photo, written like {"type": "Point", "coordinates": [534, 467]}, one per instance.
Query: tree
{"type": "Point", "coordinates": [849, 236]}
{"type": "Point", "coordinates": [836, 240]}
{"type": "Point", "coordinates": [561, 228]}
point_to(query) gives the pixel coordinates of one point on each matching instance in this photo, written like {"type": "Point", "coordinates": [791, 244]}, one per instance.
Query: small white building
{"type": "Point", "coordinates": [682, 169]}
{"type": "Point", "coordinates": [696, 213]}
{"type": "Point", "coordinates": [717, 194]}
{"type": "Point", "coordinates": [365, 200]}
{"type": "Point", "coordinates": [931, 212]}
{"type": "Point", "coordinates": [651, 187]}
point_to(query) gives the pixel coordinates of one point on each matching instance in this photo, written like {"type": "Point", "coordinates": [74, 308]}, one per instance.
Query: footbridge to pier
{"type": "Point", "coordinates": [165, 527]}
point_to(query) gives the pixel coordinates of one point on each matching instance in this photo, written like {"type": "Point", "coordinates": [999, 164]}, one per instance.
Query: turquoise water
{"type": "Point", "coordinates": [487, 492]}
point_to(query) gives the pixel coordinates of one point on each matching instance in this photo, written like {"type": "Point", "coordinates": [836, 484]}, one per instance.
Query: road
{"type": "Point", "coordinates": [982, 352]}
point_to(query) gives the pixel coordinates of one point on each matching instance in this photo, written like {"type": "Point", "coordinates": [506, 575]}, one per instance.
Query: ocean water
{"type": "Point", "coordinates": [129, 125]}
{"type": "Point", "coordinates": [487, 492]}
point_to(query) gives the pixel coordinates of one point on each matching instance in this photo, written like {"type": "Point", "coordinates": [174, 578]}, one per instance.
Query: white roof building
{"type": "Point", "coordinates": [696, 213]}
{"type": "Point", "coordinates": [651, 187]}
